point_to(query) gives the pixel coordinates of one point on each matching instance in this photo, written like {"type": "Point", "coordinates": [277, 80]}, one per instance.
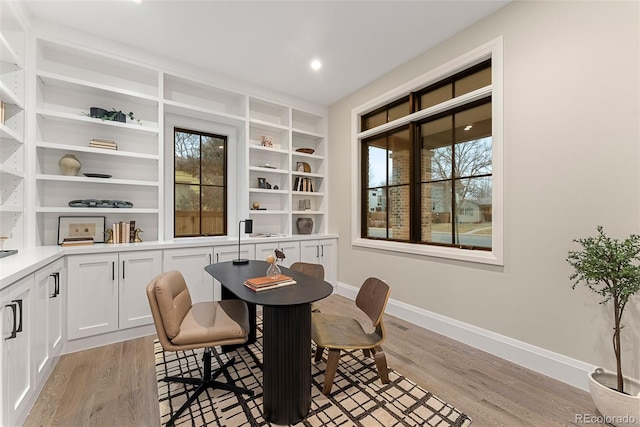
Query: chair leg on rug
{"type": "Point", "coordinates": [366, 352]}
{"type": "Point", "coordinates": [330, 371]}
{"type": "Point", "coordinates": [319, 351]}
{"type": "Point", "coordinates": [207, 381]}
{"type": "Point", "coordinates": [381, 364]}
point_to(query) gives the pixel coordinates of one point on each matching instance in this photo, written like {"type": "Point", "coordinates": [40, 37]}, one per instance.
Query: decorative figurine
{"type": "Point", "coordinates": [109, 234]}
{"type": "Point", "coordinates": [136, 236]}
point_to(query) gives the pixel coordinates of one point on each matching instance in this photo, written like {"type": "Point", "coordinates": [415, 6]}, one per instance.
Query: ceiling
{"type": "Point", "coordinates": [271, 43]}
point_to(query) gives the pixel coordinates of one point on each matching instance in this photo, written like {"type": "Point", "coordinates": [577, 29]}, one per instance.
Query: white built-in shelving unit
{"type": "Point", "coordinates": [12, 129]}
{"type": "Point", "coordinates": [70, 80]}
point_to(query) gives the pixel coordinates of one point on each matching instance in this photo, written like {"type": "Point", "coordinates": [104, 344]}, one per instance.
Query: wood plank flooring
{"type": "Point", "coordinates": [115, 385]}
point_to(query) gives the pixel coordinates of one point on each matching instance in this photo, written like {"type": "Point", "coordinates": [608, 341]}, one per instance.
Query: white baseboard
{"type": "Point", "coordinates": [554, 365]}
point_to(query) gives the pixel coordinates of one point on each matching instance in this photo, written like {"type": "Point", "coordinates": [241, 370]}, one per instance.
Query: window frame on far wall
{"type": "Point", "coordinates": [202, 185]}
{"type": "Point", "coordinates": [361, 132]}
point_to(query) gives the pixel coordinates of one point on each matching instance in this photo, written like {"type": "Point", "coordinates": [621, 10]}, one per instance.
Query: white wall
{"type": "Point", "coordinates": [571, 135]}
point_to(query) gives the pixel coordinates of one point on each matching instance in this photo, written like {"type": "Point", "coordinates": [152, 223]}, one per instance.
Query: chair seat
{"type": "Point", "coordinates": [334, 331]}
{"type": "Point", "coordinates": [214, 322]}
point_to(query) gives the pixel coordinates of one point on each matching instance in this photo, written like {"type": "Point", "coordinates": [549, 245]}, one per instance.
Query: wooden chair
{"type": "Point", "coordinates": [182, 325]}
{"type": "Point", "coordinates": [336, 332]}
{"type": "Point", "coordinates": [310, 269]}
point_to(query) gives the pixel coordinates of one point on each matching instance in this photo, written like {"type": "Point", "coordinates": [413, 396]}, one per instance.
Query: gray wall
{"type": "Point", "coordinates": [571, 136]}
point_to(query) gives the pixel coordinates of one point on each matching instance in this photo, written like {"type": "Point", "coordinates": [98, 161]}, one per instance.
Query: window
{"type": "Point", "coordinates": [428, 161]}
{"type": "Point", "coordinates": [200, 184]}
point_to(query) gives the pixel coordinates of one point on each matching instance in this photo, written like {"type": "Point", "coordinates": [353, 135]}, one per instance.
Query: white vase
{"type": "Point", "coordinates": [618, 408]}
{"type": "Point", "coordinates": [69, 165]}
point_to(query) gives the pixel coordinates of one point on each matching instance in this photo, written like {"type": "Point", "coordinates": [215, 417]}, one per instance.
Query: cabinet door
{"type": "Point", "coordinates": [328, 249]}
{"type": "Point", "coordinates": [17, 381]}
{"type": "Point", "coordinates": [137, 269]}
{"type": "Point", "coordinates": [309, 251]}
{"type": "Point", "coordinates": [45, 290]}
{"type": "Point", "coordinates": [191, 263]}
{"type": "Point", "coordinates": [291, 251]}
{"type": "Point", "coordinates": [229, 253]}
{"type": "Point", "coordinates": [92, 287]}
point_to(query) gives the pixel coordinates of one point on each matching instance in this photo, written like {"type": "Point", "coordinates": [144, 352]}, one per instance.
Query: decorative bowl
{"type": "Point", "coordinates": [305, 150]}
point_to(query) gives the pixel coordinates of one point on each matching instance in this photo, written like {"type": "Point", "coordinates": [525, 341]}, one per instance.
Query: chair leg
{"type": "Point", "coordinates": [319, 351]}
{"type": "Point", "coordinates": [381, 364]}
{"type": "Point", "coordinates": [330, 371]}
{"type": "Point", "coordinates": [366, 352]}
{"type": "Point", "coordinates": [207, 381]}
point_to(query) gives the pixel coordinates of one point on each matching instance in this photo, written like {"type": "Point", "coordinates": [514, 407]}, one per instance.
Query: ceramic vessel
{"type": "Point", "coordinates": [304, 225]}
{"type": "Point", "coordinates": [69, 165]}
{"type": "Point", "coordinates": [617, 408]}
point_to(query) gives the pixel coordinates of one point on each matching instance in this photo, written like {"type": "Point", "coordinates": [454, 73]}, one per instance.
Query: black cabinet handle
{"type": "Point", "coordinates": [19, 303]}
{"type": "Point", "coordinates": [14, 331]}
{"type": "Point", "coordinates": [113, 270]}
{"type": "Point", "coordinates": [209, 258]}
{"type": "Point", "coordinates": [317, 251]}
{"type": "Point", "coordinates": [123, 269]}
{"type": "Point", "coordinates": [322, 246]}
{"type": "Point", "coordinates": [56, 284]}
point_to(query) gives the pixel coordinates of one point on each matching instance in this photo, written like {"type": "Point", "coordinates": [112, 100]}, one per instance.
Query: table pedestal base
{"type": "Point", "coordinates": [286, 363]}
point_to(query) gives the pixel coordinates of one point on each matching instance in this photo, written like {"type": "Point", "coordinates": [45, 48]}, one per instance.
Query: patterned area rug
{"type": "Point", "coordinates": [357, 399]}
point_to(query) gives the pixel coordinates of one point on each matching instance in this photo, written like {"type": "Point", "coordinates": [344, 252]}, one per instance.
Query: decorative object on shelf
{"type": "Point", "coordinates": [304, 204]}
{"type": "Point", "coordinates": [69, 165]}
{"type": "Point", "coordinates": [609, 267]}
{"type": "Point", "coordinates": [95, 203]}
{"type": "Point", "coordinates": [303, 167]}
{"type": "Point", "coordinates": [113, 115]}
{"type": "Point", "coordinates": [248, 229]}
{"type": "Point", "coordinates": [136, 235]}
{"type": "Point", "coordinates": [8, 252]}
{"type": "Point", "coordinates": [304, 225]}
{"type": "Point", "coordinates": [255, 205]}
{"type": "Point", "coordinates": [273, 271]}
{"type": "Point", "coordinates": [76, 226]}
{"type": "Point", "coordinates": [305, 150]}
{"type": "Point", "coordinates": [265, 141]}
{"type": "Point", "coordinates": [96, 175]}
{"type": "Point", "coordinates": [275, 187]}
{"type": "Point", "coordinates": [109, 233]}
{"type": "Point", "coordinates": [268, 166]}
{"type": "Point", "coordinates": [262, 182]}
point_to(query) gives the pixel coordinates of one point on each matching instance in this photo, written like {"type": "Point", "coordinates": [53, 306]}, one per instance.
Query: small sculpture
{"type": "Point", "coordinates": [109, 233]}
{"type": "Point", "coordinates": [136, 235]}
{"type": "Point", "coordinates": [256, 205]}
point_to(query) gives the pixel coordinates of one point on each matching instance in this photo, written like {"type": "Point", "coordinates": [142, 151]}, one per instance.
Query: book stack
{"type": "Point", "coordinates": [303, 184]}
{"type": "Point", "coordinates": [259, 284]}
{"type": "Point", "coordinates": [77, 241]}
{"type": "Point", "coordinates": [103, 143]}
{"type": "Point", "coordinates": [124, 232]}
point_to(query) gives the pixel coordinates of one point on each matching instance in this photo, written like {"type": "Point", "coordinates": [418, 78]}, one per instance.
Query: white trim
{"type": "Point", "coordinates": [493, 50]}
{"type": "Point", "coordinates": [562, 368]}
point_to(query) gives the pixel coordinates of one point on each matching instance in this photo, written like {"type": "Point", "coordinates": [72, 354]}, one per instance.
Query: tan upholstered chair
{"type": "Point", "coordinates": [182, 325]}
{"type": "Point", "coordinates": [310, 269]}
{"type": "Point", "coordinates": [336, 332]}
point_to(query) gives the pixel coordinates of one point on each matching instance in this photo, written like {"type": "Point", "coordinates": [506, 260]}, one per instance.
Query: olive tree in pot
{"type": "Point", "coordinates": [611, 268]}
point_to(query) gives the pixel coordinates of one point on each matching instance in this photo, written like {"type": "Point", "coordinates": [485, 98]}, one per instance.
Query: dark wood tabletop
{"type": "Point", "coordinates": [232, 277]}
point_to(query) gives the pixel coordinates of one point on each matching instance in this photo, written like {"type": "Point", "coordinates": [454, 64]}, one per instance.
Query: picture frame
{"type": "Point", "coordinates": [262, 182]}
{"type": "Point", "coordinates": [81, 226]}
{"type": "Point", "coordinates": [300, 166]}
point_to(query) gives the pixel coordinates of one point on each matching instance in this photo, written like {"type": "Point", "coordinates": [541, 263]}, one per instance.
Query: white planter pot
{"type": "Point", "coordinates": [622, 410]}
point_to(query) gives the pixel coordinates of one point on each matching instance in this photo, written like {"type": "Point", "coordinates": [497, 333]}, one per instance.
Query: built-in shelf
{"type": "Point", "coordinates": [100, 151]}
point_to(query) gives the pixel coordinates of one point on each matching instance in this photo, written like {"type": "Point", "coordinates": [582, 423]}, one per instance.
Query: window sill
{"type": "Point", "coordinates": [477, 256]}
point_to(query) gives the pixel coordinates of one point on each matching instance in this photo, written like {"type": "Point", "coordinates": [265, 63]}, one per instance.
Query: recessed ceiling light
{"type": "Point", "coordinates": [316, 64]}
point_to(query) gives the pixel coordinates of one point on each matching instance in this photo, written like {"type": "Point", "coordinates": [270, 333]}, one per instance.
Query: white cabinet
{"type": "Point", "coordinates": [47, 337]}
{"type": "Point", "coordinates": [229, 253]}
{"type": "Point", "coordinates": [322, 251]}
{"type": "Point", "coordinates": [137, 269]}
{"type": "Point", "coordinates": [291, 251]}
{"type": "Point", "coordinates": [17, 328]}
{"type": "Point", "coordinates": [106, 292]}
{"type": "Point", "coordinates": [71, 81]}
{"type": "Point", "coordinates": [12, 125]}
{"type": "Point", "coordinates": [191, 263]}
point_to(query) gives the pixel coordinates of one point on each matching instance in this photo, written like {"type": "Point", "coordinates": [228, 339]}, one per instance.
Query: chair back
{"type": "Point", "coordinates": [314, 270]}
{"type": "Point", "coordinates": [372, 299]}
{"type": "Point", "coordinates": [170, 301]}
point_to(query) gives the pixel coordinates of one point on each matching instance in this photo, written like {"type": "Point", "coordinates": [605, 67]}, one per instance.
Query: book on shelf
{"type": "Point", "coordinates": [303, 184]}
{"type": "Point", "coordinates": [77, 241]}
{"type": "Point", "coordinates": [2, 108]}
{"type": "Point", "coordinates": [103, 143]}
{"type": "Point", "coordinates": [123, 232]}
{"type": "Point", "coordinates": [263, 283]}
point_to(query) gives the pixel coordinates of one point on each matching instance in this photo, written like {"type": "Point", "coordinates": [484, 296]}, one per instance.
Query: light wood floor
{"type": "Point", "coordinates": [115, 385]}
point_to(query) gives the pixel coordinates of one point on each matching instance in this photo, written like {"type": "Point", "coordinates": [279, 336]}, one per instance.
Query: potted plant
{"type": "Point", "coordinates": [611, 268]}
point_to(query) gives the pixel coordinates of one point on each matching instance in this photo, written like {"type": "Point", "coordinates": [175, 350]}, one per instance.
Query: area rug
{"type": "Point", "coordinates": [357, 398]}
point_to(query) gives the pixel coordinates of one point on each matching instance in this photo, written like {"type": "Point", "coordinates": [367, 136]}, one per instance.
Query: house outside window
{"type": "Point", "coordinates": [200, 184]}
{"type": "Point", "coordinates": [428, 161]}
